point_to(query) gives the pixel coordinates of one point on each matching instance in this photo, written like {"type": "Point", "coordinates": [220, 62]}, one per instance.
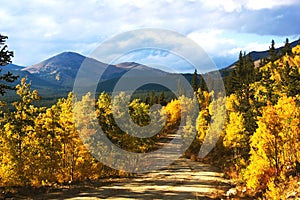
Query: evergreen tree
{"type": "Point", "coordinates": [162, 99]}
{"type": "Point", "coordinates": [5, 58]}
{"type": "Point", "coordinates": [202, 84]}
{"type": "Point", "coordinates": [272, 52]}
{"type": "Point", "coordinates": [153, 98]}
{"type": "Point", "coordinates": [287, 50]}
{"type": "Point", "coordinates": [267, 82]}
{"type": "Point", "coordinates": [290, 80]}
{"type": "Point", "coordinates": [194, 82]}
{"type": "Point", "coordinates": [240, 77]}
{"type": "Point", "coordinates": [242, 116]}
{"type": "Point", "coordinates": [230, 82]}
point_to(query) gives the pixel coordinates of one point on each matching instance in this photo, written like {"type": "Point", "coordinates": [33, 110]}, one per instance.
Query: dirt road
{"type": "Point", "coordinates": [184, 179]}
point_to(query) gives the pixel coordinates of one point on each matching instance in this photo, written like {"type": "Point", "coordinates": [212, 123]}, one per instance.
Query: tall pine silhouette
{"type": "Point", "coordinates": [5, 58]}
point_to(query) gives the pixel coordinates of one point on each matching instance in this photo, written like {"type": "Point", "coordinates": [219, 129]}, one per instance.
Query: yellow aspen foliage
{"type": "Point", "coordinates": [189, 110]}
{"type": "Point", "coordinates": [235, 137]}
{"type": "Point", "coordinates": [104, 112]}
{"type": "Point", "coordinates": [203, 118]}
{"type": "Point", "coordinates": [88, 114]}
{"type": "Point", "coordinates": [139, 112]}
{"type": "Point", "coordinates": [76, 162]}
{"type": "Point", "coordinates": [279, 77]}
{"type": "Point", "coordinates": [296, 50]}
{"type": "Point", "coordinates": [217, 112]}
{"type": "Point", "coordinates": [18, 138]}
{"type": "Point", "coordinates": [48, 146]}
{"type": "Point", "coordinates": [202, 124]}
{"type": "Point", "coordinates": [275, 144]}
{"type": "Point", "coordinates": [173, 111]}
{"type": "Point", "coordinates": [140, 115]}
{"type": "Point", "coordinates": [204, 98]}
{"type": "Point", "coordinates": [179, 109]}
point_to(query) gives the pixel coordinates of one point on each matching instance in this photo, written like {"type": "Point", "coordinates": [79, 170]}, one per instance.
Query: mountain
{"type": "Point", "coordinates": [58, 71]}
{"type": "Point", "coordinates": [56, 75]}
{"type": "Point", "coordinates": [140, 70]}
{"type": "Point", "coordinates": [11, 67]}
{"type": "Point", "coordinates": [63, 62]}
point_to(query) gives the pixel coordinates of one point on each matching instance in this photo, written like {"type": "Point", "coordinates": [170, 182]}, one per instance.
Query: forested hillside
{"type": "Point", "coordinates": [259, 147]}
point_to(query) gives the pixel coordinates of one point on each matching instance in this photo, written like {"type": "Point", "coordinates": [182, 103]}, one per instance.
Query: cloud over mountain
{"type": "Point", "coordinates": [41, 29]}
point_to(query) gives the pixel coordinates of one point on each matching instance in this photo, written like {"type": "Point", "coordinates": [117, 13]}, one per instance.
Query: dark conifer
{"type": "Point", "coordinates": [194, 82]}
{"type": "Point", "coordinates": [287, 49]}
{"type": "Point", "coordinates": [5, 58]}
{"type": "Point", "coordinates": [272, 52]}
{"type": "Point", "coordinates": [202, 84]}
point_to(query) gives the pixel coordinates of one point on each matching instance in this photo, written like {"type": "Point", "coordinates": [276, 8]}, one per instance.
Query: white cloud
{"type": "Point", "coordinates": [253, 46]}
{"type": "Point", "coordinates": [227, 6]}
{"type": "Point", "coordinates": [239, 5]}
{"type": "Point", "coordinates": [212, 41]}
{"type": "Point", "coordinates": [269, 4]}
{"type": "Point", "coordinates": [153, 46]}
{"type": "Point", "coordinates": [39, 28]}
{"type": "Point", "coordinates": [224, 46]}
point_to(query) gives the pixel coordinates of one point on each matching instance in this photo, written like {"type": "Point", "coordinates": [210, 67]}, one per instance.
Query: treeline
{"type": "Point", "coordinates": [259, 147]}
{"type": "Point", "coordinates": [260, 143]}
{"type": "Point", "coordinates": [43, 145]}
{"type": "Point", "coordinates": [154, 97]}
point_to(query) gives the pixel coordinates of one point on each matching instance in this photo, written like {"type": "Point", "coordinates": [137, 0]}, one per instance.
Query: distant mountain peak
{"type": "Point", "coordinates": [68, 54]}
{"type": "Point", "coordinates": [62, 61]}
{"type": "Point", "coordinates": [140, 67]}
{"type": "Point", "coordinates": [60, 71]}
{"type": "Point", "coordinates": [127, 65]}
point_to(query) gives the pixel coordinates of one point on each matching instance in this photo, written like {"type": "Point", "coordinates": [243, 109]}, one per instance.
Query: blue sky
{"type": "Point", "coordinates": [39, 29]}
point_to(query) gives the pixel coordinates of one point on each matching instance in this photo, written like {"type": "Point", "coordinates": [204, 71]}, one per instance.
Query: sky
{"type": "Point", "coordinates": [39, 29]}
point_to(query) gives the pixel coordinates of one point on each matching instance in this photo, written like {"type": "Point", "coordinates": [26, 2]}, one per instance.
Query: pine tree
{"type": "Point", "coordinates": [290, 80]}
{"type": "Point", "coordinates": [241, 76]}
{"type": "Point", "coordinates": [5, 58]}
{"type": "Point", "coordinates": [265, 87]}
{"type": "Point", "coordinates": [272, 52]}
{"type": "Point", "coordinates": [153, 98]}
{"type": "Point", "coordinates": [242, 109]}
{"type": "Point", "coordinates": [287, 50]}
{"type": "Point", "coordinates": [202, 84]}
{"type": "Point", "coordinates": [244, 76]}
{"type": "Point", "coordinates": [230, 83]}
{"type": "Point", "coordinates": [278, 77]}
{"type": "Point", "coordinates": [195, 81]}
{"type": "Point", "coordinates": [162, 99]}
